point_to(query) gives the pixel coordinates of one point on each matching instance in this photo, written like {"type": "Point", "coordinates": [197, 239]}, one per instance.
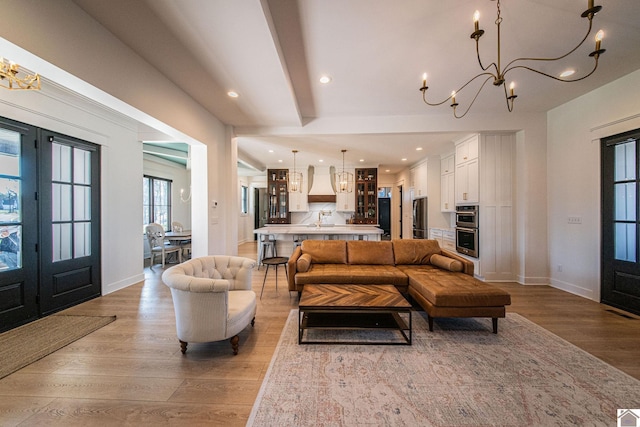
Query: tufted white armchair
{"type": "Point", "coordinates": [212, 298]}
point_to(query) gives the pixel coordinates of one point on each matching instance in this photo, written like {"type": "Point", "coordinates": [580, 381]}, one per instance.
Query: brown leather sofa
{"type": "Point", "coordinates": [441, 281]}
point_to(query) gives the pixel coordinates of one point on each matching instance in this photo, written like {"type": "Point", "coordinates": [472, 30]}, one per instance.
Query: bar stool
{"type": "Point", "coordinates": [297, 240]}
{"type": "Point", "coordinates": [267, 243]}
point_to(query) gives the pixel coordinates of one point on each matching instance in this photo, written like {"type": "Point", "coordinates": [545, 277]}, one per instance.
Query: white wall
{"type": "Point", "coordinates": [121, 165]}
{"type": "Point", "coordinates": [59, 40]}
{"type": "Point", "coordinates": [573, 164]}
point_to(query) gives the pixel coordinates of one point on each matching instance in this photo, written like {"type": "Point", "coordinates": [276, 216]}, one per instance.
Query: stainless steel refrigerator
{"type": "Point", "coordinates": [420, 229]}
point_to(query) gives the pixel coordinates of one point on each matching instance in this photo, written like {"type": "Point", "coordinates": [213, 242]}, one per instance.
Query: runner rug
{"type": "Point", "coordinates": [24, 345]}
{"type": "Point", "coordinates": [459, 375]}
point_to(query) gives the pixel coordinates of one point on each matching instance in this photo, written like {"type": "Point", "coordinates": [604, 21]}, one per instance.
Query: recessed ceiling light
{"type": "Point", "coordinates": [325, 79]}
{"type": "Point", "coordinates": [567, 73]}
{"type": "Point", "coordinates": [419, 149]}
{"type": "Point", "coordinates": [271, 151]}
{"type": "Point", "coordinates": [404, 159]}
{"type": "Point", "coordinates": [232, 94]}
{"type": "Point", "coordinates": [280, 161]}
{"type": "Point", "coordinates": [362, 160]}
{"type": "Point", "coordinates": [387, 170]}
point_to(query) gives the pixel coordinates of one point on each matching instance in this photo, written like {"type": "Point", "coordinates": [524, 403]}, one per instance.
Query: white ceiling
{"type": "Point", "coordinates": [272, 52]}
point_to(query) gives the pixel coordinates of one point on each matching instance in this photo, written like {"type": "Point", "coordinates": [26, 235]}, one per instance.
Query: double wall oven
{"type": "Point", "coordinates": [467, 222]}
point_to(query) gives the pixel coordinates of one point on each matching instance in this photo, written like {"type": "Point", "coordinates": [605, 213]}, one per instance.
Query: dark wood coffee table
{"type": "Point", "coordinates": [358, 307]}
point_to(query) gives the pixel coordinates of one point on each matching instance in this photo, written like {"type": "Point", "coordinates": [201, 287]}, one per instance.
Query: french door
{"type": "Point", "coordinates": [620, 283]}
{"type": "Point", "coordinates": [18, 224]}
{"type": "Point", "coordinates": [49, 222]}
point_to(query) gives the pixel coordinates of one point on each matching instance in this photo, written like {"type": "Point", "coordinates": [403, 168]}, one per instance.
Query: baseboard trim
{"type": "Point", "coordinates": [523, 280]}
{"type": "Point", "coordinates": [573, 289]}
{"type": "Point", "coordinates": [121, 284]}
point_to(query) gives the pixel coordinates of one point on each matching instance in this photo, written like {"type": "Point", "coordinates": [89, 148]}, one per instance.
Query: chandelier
{"type": "Point", "coordinates": [9, 78]}
{"type": "Point", "coordinates": [294, 178]}
{"type": "Point", "coordinates": [184, 199]}
{"type": "Point", "coordinates": [344, 180]}
{"type": "Point", "coordinates": [497, 73]}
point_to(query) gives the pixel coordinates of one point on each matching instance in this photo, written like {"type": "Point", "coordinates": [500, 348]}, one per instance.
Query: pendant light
{"type": "Point", "coordinates": [344, 180]}
{"type": "Point", "coordinates": [294, 178]}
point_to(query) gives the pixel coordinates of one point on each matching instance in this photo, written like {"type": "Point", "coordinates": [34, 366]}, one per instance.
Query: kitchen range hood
{"type": "Point", "coordinates": [321, 184]}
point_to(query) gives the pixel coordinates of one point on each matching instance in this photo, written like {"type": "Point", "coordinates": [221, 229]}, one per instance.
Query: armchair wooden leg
{"type": "Point", "coordinates": [234, 344]}
{"type": "Point", "coordinates": [183, 346]}
{"type": "Point", "coordinates": [253, 321]}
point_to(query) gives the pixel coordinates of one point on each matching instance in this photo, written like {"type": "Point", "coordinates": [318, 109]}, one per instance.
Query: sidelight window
{"type": "Point", "coordinates": [10, 196]}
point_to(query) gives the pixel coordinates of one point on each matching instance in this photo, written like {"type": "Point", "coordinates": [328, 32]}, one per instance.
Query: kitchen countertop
{"type": "Point", "coordinates": [311, 229]}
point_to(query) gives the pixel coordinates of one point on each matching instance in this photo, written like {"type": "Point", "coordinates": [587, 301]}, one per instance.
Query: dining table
{"type": "Point", "coordinates": [176, 237]}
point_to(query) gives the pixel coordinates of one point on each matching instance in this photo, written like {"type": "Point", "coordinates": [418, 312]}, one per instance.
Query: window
{"type": "Point", "coordinates": [244, 200]}
{"type": "Point", "coordinates": [156, 201]}
{"type": "Point", "coordinates": [10, 195]}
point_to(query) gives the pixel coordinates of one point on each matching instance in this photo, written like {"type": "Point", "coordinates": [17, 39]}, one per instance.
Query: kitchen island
{"type": "Point", "coordinates": [287, 234]}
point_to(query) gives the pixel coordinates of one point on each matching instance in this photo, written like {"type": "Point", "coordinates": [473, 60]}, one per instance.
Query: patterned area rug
{"type": "Point", "coordinates": [24, 345]}
{"type": "Point", "coordinates": [459, 375]}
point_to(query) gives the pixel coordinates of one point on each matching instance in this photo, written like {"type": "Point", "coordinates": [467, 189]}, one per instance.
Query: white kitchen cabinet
{"type": "Point", "coordinates": [449, 240]}
{"type": "Point", "coordinates": [298, 200]}
{"type": "Point", "coordinates": [467, 177]}
{"type": "Point", "coordinates": [447, 164]}
{"type": "Point", "coordinates": [418, 177]}
{"type": "Point", "coordinates": [345, 202]}
{"type": "Point", "coordinates": [446, 238]}
{"type": "Point", "coordinates": [435, 234]}
{"type": "Point", "coordinates": [467, 150]}
{"type": "Point", "coordinates": [467, 183]}
{"type": "Point", "coordinates": [447, 184]}
{"type": "Point", "coordinates": [447, 193]}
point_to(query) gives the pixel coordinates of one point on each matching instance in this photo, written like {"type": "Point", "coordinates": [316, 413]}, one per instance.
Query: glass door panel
{"type": "Point", "coordinates": [620, 273]}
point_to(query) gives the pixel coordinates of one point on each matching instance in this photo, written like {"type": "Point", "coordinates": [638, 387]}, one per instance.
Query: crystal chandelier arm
{"type": "Point", "coordinates": [554, 77]}
{"type": "Point", "coordinates": [491, 76]}
{"type": "Point", "coordinates": [424, 89]}
{"type": "Point", "coordinates": [508, 66]}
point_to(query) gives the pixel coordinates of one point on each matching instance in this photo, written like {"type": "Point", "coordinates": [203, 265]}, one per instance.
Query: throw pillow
{"type": "Point", "coordinates": [303, 263]}
{"type": "Point", "coordinates": [446, 263]}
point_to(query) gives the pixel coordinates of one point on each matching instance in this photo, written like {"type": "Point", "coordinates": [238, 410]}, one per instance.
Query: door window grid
{"type": "Point", "coordinates": [625, 201]}
{"type": "Point", "coordinates": [71, 202]}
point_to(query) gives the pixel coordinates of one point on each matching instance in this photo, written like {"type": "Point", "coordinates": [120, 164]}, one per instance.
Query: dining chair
{"type": "Point", "coordinates": [157, 244]}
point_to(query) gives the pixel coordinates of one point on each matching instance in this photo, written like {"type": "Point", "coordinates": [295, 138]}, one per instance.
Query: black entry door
{"type": "Point", "coordinates": [69, 221]}
{"type": "Point", "coordinates": [18, 225]}
{"type": "Point", "coordinates": [620, 285]}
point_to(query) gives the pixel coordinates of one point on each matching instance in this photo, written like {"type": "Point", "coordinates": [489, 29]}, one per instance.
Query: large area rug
{"type": "Point", "coordinates": [24, 345]}
{"type": "Point", "coordinates": [459, 375]}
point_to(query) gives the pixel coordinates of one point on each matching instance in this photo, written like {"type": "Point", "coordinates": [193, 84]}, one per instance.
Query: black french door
{"type": "Point", "coordinates": [49, 222]}
{"type": "Point", "coordinates": [620, 164]}
{"type": "Point", "coordinates": [18, 224]}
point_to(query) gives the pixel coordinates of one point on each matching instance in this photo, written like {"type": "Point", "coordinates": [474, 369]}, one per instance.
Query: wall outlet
{"type": "Point", "coordinates": [574, 220]}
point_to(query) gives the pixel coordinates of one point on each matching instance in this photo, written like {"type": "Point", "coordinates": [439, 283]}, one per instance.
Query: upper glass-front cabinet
{"type": "Point", "coordinates": [278, 197]}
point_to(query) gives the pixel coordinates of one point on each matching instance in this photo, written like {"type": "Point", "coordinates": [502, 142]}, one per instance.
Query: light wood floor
{"type": "Point", "coordinates": [131, 372]}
